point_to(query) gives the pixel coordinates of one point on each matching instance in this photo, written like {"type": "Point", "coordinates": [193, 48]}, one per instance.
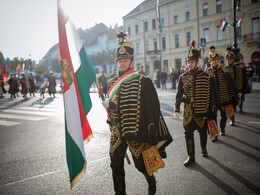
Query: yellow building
{"type": "Point", "coordinates": [184, 20]}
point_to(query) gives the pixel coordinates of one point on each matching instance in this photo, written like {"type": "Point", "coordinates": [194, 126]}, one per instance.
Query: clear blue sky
{"type": "Point", "coordinates": [30, 26]}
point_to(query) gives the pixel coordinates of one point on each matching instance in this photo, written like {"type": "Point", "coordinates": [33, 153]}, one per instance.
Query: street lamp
{"type": "Point", "coordinates": [235, 49]}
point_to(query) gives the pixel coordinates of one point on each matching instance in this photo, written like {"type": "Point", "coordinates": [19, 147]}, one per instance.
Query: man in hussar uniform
{"type": "Point", "coordinates": [135, 118]}
{"type": "Point", "coordinates": [226, 87]}
{"type": "Point", "coordinates": [239, 75]}
{"type": "Point", "coordinates": [197, 89]}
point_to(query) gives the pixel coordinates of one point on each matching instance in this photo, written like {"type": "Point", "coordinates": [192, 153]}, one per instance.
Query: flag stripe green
{"type": "Point", "coordinates": [75, 160]}
{"type": "Point", "coordinates": [85, 76]}
{"type": "Point", "coordinates": [225, 25]}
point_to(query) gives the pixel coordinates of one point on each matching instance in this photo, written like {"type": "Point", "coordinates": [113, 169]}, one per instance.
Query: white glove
{"type": "Point", "coordinates": [239, 95]}
{"type": "Point", "coordinates": [105, 104]}
{"type": "Point", "coordinates": [176, 114]}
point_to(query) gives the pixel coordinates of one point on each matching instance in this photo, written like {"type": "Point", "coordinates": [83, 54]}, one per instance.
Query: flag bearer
{"type": "Point", "coordinates": [135, 118]}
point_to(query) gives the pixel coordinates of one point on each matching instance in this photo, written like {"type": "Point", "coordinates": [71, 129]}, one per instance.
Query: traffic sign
{"type": "Point", "coordinates": [203, 42]}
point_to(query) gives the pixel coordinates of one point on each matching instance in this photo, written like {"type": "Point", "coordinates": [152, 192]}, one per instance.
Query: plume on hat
{"type": "Point", "coordinates": [121, 36]}
{"type": "Point", "coordinates": [192, 44]}
{"type": "Point", "coordinates": [229, 48]}
{"type": "Point", "coordinates": [212, 48]}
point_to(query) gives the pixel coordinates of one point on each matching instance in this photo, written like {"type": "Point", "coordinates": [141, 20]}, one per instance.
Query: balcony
{"type": "Point", "coordinates": [251, 37]}
{"type": "Point", "coordinates": [153, 52]}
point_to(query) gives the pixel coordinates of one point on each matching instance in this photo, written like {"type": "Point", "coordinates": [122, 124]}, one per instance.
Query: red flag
{"type": "Point", "coordinates": [5, 73]}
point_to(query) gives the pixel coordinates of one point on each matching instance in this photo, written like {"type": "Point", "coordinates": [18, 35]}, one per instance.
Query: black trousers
{"type": "Point", "coordinates": [223, 119]}
{"type": "Point", "coordinates": [117, 161]}
{"type": "Point", "coordinates": [192, 126]}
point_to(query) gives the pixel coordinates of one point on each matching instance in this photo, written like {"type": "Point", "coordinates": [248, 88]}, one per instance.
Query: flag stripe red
{"type": "Point", "coordinates": [65, 54]}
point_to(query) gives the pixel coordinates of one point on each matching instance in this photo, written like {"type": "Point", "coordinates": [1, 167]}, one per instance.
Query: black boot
{"type": "Point", "coordinates": [215, 139]}
{"type": "Point", "coordinates": [191, 152]}
{"type": "Point", "coordinates": [151, 184]}
{"type": "Point", "coordinates": [241, 110]}
{"type": "Point", "coordinates": [119, 185]}
{"type": "Point", "coordinates": [203, 144]}
{"type": "Point", "coordinates": [223, 122]}
{"type": "Point", "coordinates": [232, 121]}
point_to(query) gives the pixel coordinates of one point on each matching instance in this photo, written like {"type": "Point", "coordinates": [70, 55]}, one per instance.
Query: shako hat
{"type": "Point", "coordinates": [193, 53]}
{"type": "Point", "coordinates": [229, 53]}
{"type": "Point", "coordinates": [213, 55]}
{"type": "Point", "coordinates": [124, 49]}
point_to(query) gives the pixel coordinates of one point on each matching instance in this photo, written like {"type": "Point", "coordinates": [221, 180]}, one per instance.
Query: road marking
{"type": "Point", "coordinates": [22, 117]}
{"type": "Point", "coordinates": [41, 175]}
{"type": "Point", "coordinates": [254, 122]}
{"type": "Point", "coordinates": [29, 112]}
{"type": "Point", "coordinates": [36, 108]}
{"type": "Point", "coordinates": [8, 123]}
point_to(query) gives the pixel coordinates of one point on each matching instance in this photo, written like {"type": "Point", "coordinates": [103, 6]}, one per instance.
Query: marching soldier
{"type": "Point", "coordinates": [135, 119]}
{"type": "Point", "coordinates": [239, 75]}
{"type": "Point", "coordinates": [197, 89]}
{"type": "Point", "coordinates": [226, 88]}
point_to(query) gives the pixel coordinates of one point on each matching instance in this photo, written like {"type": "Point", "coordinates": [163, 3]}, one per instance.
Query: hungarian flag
{"type": "Point", "coordinates": [18, 66]}
{"type": "Point", "coordinates": [5, 73]}
{"type": "Point", "coordinates": [22, 68]}
{"type": "Point", "coordinates": [239, 23]}
{"type": "Point", "coordinates": [222, 25]}
{"type": "Point", "coordinates": [158, 17]}
{"type": "Point", "coordinates": [30, 64]}
{"type": "Point", "coordinates": [78, 74]}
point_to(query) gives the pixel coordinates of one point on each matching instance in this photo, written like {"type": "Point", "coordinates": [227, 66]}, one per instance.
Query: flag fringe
{"type": "Point", "coordinates": [90, 136]}
{"type": "Point", "coordinates": [79, 176]}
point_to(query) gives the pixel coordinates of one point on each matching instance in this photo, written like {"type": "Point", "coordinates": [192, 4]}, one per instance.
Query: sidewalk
{"type": "Point", "coordinates": [256, 87]}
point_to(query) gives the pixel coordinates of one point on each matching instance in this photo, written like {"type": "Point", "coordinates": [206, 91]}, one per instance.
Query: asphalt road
{"type": "Point", "coordinates": [33, 159]}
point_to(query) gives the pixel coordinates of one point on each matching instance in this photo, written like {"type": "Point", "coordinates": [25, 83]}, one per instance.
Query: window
{"type": "Point", "coordinates": [239, 31]}
{"type": "Point", "coordinates": [206, 34]}
{"type": "Point", "coordinates": [137, 48]}
{"type": "Point", "coordinates": [188, 37]}
{"type": "Point", "coordinates": [155, 45]}
{"type": "Point", "coordinates": [154, 24]}
{"type": "Point", "coordinates": [147, 45]}
{"type": "Point", "coordinates": [219, 34]}
{"type": "Point", "coordinates": [129, 31]}
{"type": "Point", "coordinates": [177, 44]}
{"type": "Point", "coordinates": [145, 26]}
{"type": "Point", "coordinates": [162, 21]}
{"type": "Point", "coordinates": [219, 6]}
{"type": "Point", "coordinates": [205, 9]}
{"type": "Point", "coordinates": [136, 29]}
{"type": "Point", "coordinates": [163, 43]}
{"type": "Point", "coordinates": [255, 28]}
{"type": "Point", "coordinates": [175, 18]}
{"type": "Point", "coordinates": [187, 15]}
{"type": "Point", "coordinates": [254, 1]}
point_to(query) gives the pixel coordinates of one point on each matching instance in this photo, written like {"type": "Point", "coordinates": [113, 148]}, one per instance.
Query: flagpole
{"type": "Point", "coordinates": [159, 28]}
{"type": "Point", "coordinates": [235, 49]}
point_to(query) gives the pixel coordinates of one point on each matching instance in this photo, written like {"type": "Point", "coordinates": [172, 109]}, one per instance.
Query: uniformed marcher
{"type": "Point", "coordinates": [197, 89]}
{"type": "Point", "coordinates": [226, 87]}
{"type": "Point", "coordinates": [239, 75]}
{"type": "Point", "coordinates": [135, 119]}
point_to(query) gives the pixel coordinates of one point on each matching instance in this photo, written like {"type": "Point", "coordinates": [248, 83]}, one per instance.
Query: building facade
{"type": "Point", "coordinates": [186, 20]}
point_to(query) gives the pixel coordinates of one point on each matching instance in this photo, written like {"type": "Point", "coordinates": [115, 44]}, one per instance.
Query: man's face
{"type": "Point", "coordinates": [230, 61]}
{"type": "Point", "coordinates": [192, 64]}
{"type": "Point", "coordinates": [214, 63]}
{"type": "Point", "coordinates": [123, 64]}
